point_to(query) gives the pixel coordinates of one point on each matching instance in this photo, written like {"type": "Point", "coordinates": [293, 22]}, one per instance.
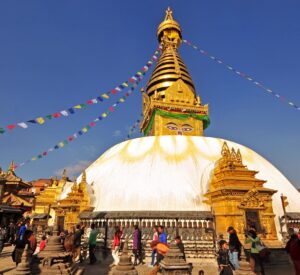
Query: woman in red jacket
{"type": "Point", "coordinates": [116, 244]}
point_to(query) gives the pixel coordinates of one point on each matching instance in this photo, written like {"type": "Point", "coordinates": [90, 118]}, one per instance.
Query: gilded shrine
{"type": "Point", "coordinates": [67, 210]}
{"type": "Point", "coordinates": [238, 198]}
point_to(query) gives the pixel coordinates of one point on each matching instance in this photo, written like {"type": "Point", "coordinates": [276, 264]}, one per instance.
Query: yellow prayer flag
{"type": "Point", "coordinates": [40, 120]}
{"type": "Point", "coordinates": [104, 115]}
{"type": "Point", "coordinates": [105, 96]}
{"type": "Point", "coordinates": [84, 130]}
{"type": "Point", "coordinates": [61, 144]}
{"type": "Point", "coordinates": [77, 107]}
{"type": "Point", "coordinates": [121, 99]}
{"type": "Point", "coordinates": [125, 84]}
{"type": "Point", "coordinates": [33, 158]}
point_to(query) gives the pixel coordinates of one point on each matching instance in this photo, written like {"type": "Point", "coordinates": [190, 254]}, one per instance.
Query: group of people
{"type": "Point", "coordinates": [229, 253]}
{"type": "Point", "coordinates": [19, 235]}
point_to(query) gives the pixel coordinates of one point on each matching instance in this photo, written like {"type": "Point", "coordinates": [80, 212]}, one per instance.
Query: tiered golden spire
{"type": "Point", "coordinates": [170, 66]}
{"type": "Point", "coordinates": [170, 103]}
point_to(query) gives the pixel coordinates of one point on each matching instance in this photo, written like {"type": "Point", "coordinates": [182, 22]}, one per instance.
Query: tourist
{"type": "Point", "coordinates": [92, 243]}
{"type": "Point", "coordinates": [116, 244]}
{"type": "Point", "coordinates": [137, 245]}
{"type": "Point", "coordinates": [180, 245]}
{"type": "Point", "coordinates": [22, 231]}
{"type": "Point", "coordinates": [162, 235]}
{"type": "Point", "coordinates": [225, 266]}
{"type": "Point", "coordinates": [154, 239]}
{"type": "Point", "coordinates": [293, 249]}
{"type": "Point", "coordinates": [19, 248]}
{"type": "Point", "coordinates": [31, 240]}
{"type": "Point", "coordinates": [162, 249]}
{"type": "Point", "coordinates": [77, 243]}
{"type": "Point", "coordinates": [2, 239]}
{"type": "Point", "coordinates": [12, 231]}
{"type": "Point", "coordinates": [43, 243]}
{"type": "Point", "coordinates": [255, 259]}
{"type": "Point", "coordinates": [234, 247]}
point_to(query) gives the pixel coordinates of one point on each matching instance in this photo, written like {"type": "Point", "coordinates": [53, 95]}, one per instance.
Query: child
{"type": "Point", "coordinates": [43, 243]}
{"type": "Point", "coordinates": [225, 266]}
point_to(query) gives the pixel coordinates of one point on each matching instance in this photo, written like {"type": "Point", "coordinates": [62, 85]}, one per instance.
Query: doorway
{"type": "Point", "coordinates": [252, 220]}
{"type": "Point", "coordinates": [60, 223]}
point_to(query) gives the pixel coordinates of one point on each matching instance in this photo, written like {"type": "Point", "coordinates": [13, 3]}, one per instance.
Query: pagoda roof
{"type": "Point", "coordinates": [8, 209]}
{"type": "Point", "coordinates": [15, 200]}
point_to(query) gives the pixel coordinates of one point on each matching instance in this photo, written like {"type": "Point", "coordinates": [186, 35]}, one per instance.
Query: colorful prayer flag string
{"type": "Point", "coordinates": [83, 130]}
{"type": "Point", "coordinates": [243, 75]}
{"type": "Point", "coordinates": [134, 127]}
{"type": "Point", "coordinates": [70, 111]}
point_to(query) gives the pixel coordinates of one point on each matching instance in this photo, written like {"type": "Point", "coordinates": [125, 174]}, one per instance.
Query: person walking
{"type": "Point", "coordinates": [137, 246]}
{"type": "Point", "coordinates": [293, 249]}
{"type": "Point", "coordinates": [2, 239]}
{"type": "Point", "coordinates": [234, 247]}
{"type": "Point", "coordinates": [77, 243]}
{"type": "Point", "coordinates": [154, 239]}
{"type": "Point", "coordinates": [224, 263]}
{"type": "Point", "coordinates": [180, 245]}
{"type": "Point", "coordinates": [43, 243]}
{"type": "Point", "coordinates": [162, 235]}
{"type": "Point", "coordinates": [12, 231]}
{"type": "Point", "coordinates": [116, 244]}
{"type": "Point", "coordinates": [93, 243]}
{"type": "Point", "coordinates": [255, 259]}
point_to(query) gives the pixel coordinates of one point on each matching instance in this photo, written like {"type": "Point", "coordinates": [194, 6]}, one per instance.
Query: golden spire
{"type": "Point", "coordinates": [170, 92]}
{"type": "Point", "coordinates": [83, 182]}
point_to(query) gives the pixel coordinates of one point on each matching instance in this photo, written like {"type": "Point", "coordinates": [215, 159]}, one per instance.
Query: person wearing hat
{"type": "Point", "coordinates": [234, 247]}
{"type": "Point", "coordinates": [224, 263]}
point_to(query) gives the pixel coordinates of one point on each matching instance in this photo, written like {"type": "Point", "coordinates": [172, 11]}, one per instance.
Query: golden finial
{"type": "Point", "coordinates": [233, 154]}
{"type": "Point", "coordinates": [239, 157]}
{"type": "Point", "coordinates": [225, 150]}
{"type": "Point", "coordinates": [83, 178]}
{"type": "Point", "coordinates": [11, 166]}
{"type": "Point", "coordinates": [169, 14]}
{"type": "Point", "coordinates": [64, 174]}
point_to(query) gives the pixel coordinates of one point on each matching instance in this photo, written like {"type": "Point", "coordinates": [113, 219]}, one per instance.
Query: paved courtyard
{"type": "Point", "coordinates": [7, 266]}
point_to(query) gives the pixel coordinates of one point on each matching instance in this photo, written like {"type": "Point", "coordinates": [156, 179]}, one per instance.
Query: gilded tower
{"type": "Point", "coordinates": [170, 103]}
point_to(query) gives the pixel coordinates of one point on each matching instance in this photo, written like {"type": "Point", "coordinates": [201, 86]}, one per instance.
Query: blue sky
{"type": "Point", "coordinates": [55, 54]}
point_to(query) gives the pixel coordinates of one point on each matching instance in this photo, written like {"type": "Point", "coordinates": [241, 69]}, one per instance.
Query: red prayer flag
{"type": "Point", "coordinates": [111, 109]}
{"type": "Point", "coordinates": [114, 91]}
{"type": "Point", "coordinates": [93, 124]}
{"type": "Point", "coordinates": [70, 138]}
{"type": "Point", "coordinates": [90, 102]}
{"type": "Point", "coordinates": [127, 94]}
{"type": "Point", "coordinates": [131, 80]}
{"type": "Point", "coordinates": [56, 115]}
{"type": "Point", "coordinates": [44, 153]}
{"type": "Point", "coordinates": [11, 126]}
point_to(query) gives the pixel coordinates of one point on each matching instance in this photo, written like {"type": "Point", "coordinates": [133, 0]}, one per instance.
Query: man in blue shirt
{"type": "Point", "coordinates": [162, 235]}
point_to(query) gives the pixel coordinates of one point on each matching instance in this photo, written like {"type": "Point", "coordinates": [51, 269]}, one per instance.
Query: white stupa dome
{"type": "Point", "coordinates": [172, 173]}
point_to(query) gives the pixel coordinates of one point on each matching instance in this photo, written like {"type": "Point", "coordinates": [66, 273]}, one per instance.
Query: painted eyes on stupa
{"type": "Point", "coordinates": [184, 128]}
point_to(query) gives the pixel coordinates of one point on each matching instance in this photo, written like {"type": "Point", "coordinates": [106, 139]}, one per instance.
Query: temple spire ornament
{"type": "Point", "coordinates": [170, 103]}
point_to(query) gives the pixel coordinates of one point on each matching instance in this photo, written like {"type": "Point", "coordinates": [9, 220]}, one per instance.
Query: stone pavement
{"type": "Point", "coordinates": [102, 266]}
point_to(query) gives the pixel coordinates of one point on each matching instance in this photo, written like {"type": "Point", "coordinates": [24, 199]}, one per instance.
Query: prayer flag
{"type": "Point", "coordinates": [80, 133]}
{"type": "Point", "coordinates": [39, 156]}
{"type": "Point", "coordinates": [111, 109]}
{"type": "Point", "coordinates": [122, 99]}
{"type": "Point", "coordinates": [34, 158]}
{"type": "Point", "coordinates": [44, 153]}
{"type": "Point", "coordinates": [93, 124]}
{"type": "Point", "coordinates": [70, 138]}
{"type": "Point", "coordinates": [89, 102]}
{"type": "Point", "coordinates": [118, 89]}
{"type": "Point", "coordinates": [56, 147]}
{"type": "Point", "coordinates": [114, 91]}
{"type": "Point", "coordinates": [2, 131]}
{"type": "Point", "coordinates": [77, 107]}
{"type": "Point", "coordinates": [71, 110]}
{"type": "Point", "coordinates": [23, 125]}
{"type": "Point", "coordinates": [11, 126]}
{"type": "Point", "coordinates": [49, 116]}
{"type": "Point", "coordinates": [56, 115]}
{"type": "Point", "coordinates": [104, 115]}
{"type": "Point", "coordinates": [61, 144]}
{"type": "Point", "coordinates": [125, 84]}
{"type": "Point", "coordinates": [105, 96]}
{"type": "Point", "coordinates": [100, 98]}
{"type": "Point", "coordinates": [94, 100]}
{"type": "Point", "coordinates": [64, 113]}
{"type": "Point", "coordinates": [40, 120]}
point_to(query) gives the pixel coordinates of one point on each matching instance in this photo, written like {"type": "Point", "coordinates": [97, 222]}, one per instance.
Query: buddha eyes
{"type": "Point", "coordinates": [171, 127]}
{"type": "Point", "coordinates": [186, 129]}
